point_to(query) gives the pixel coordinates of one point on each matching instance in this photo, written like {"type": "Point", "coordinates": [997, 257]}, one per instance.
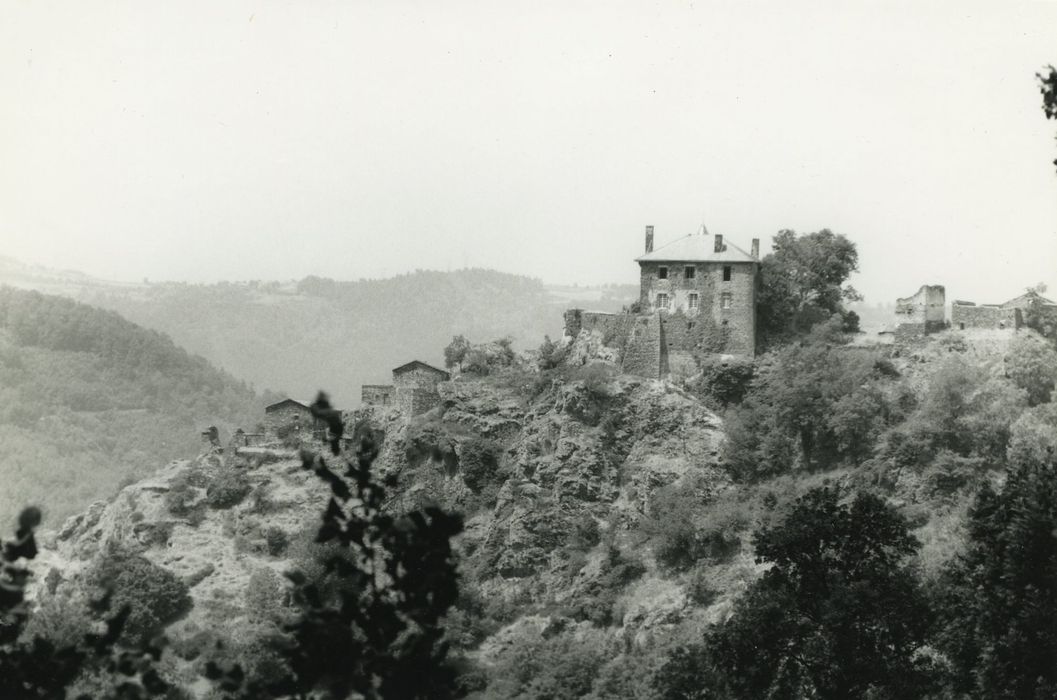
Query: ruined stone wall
{"type": "Point", "coordinates": [968, 315]}
{"type": "Point", "coordinates": [377, 394]}
{"type": "Point", "coordinates": [921, 313]}
{"type": "Point", "coordinates": [643, 353]}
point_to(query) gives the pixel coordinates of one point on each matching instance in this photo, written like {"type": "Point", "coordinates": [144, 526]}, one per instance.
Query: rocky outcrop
{"type": "Point", "coordinates": [533, 462]}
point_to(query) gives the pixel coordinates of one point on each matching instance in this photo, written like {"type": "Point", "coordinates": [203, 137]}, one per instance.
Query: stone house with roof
{"type": "Point", "coordinates": [289, 414]}
{"type": "Point", "coordinates": [696, 293]}
{"type": "Point", "coordinates": [413, 391]}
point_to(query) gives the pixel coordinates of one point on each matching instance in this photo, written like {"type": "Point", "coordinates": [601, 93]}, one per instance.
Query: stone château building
{"type": "Point", "coordinates": [704, 277]}
{"type": "Point", "coordinates": [697, 294]}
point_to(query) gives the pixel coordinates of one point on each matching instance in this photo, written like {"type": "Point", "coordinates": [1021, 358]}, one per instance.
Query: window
{"type": "Point", "coordinates": [726, 273]}
{"type": "Point", "coordinates": [662, 300]}
{"type": "Point", "coordinates": [692, 300]}
{"type": "Point", "coordinates": [662, 273]}
{"type": "Point", "coordinates": [725, 300]}
{"type": "Point", "coordinates": [689, 272]}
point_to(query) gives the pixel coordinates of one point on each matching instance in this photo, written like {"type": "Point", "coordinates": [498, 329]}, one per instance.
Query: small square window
{"type": "Point", "coordinates": [726, 273]}
{"type": "Point", "coordinates": [726, 300]}
{"type": "Point", "coordinates": [692, 300]}
{"type": "Point", "coordinates": [689, 272]}
{"type": "Point", "coordinates": [662, 301]}
{"type": "Point", "coordinates": [662, 273]}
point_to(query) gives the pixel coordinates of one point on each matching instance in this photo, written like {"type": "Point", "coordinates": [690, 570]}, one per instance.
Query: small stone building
{"type": "Point", "coordinates": [289, 414]}
{"type": "Point", "coordinates": [413, 391]}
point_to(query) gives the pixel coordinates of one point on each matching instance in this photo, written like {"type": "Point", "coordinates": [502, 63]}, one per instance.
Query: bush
{"type": "Point", "coordinates": [557, 668]}
{"type": "Point", "coordinates": [155, 596]}
{"type": "Point", "coordinates": [687, 527]}
{"type": "Point", "coordinates": [263, 595]}
{"type": "Point", "coordinates": [550, 354]}
{"type": "Point", "coordinates": [228, 489]}
{"type": "Point", "coordinates": [182, 495]}
{"type": "Point", "coordinates": [722, 382]}
{"type": "Point", "coordinates": [276, 539]}
{"type": "Point", "coordinates": [478, 462]}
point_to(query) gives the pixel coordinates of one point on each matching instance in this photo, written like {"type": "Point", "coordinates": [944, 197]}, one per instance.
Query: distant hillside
{"type": "Point", "coordinates": [299, 337]}
{"type": "Point", "coordinates": [89, 400]}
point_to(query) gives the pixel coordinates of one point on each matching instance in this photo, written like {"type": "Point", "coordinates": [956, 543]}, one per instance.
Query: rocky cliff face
{"type": "Point", "coordinates": [554, 478]}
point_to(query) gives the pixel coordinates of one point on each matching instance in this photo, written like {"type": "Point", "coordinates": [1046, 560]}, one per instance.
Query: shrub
{"type": "Point", "coordinates": [263, 594]}
{"type": "Point", "coordinates": [181, 497]}
{"type": "Point", "coordinates": [551, 354]}
{"type": "Point", "coordinates": [478, 462]}
{"type": "Point", "coordinates": [722, 381]}
{"type": "Point", "coordinates": [228, 489]}
{"type": "Point", "coordinates": [597, 603]}
{"type": "Point", "coordinates": [276, 539]}
{"type": "Point", "coordinates": [688, 528]}
{"type": "Point", "coordinates": [562, 666]}
{"type": "Point", "coordinates": [155, 596]}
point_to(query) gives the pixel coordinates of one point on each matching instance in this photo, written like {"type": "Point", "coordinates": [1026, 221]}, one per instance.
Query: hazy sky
{"type": "Point", "coordinates": [272, 140]}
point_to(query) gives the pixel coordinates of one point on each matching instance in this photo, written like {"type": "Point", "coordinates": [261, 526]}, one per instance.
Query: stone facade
{"type": "Point", "coordinates": [921, 313]}
{"type": "Point", "coordinates": [288, 413]}
{"type": "Point", "coordinates": [377, 394]}
{"type": "Point", "coordinates": [966, 315]}
{"type": "Point", "coordinates": [704, 277]}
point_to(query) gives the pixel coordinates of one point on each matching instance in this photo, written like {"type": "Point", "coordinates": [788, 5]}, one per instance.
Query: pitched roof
{"type": "Point", "coordinates": [697, 247]}
{"type": "Point", "coordinates": [1023, 300]}
{"type": "Point", "coordinates": [415, 364]}
{"type": "Point", "coordinates": [277, 404]}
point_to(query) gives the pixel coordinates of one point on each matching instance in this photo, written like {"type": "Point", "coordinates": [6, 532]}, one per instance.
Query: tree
{"type": "Point", "coordinates": [370, 627]}
{"type": "Point", "coordinates": [455, 353]}
{"type": "Point", "coordinates": [839, 614]}
{"type": "Point", "coordinates": [999, 598]}
{"type": "Point", "coordinates": [1048, 88]}
{"type": "Point", "coordinates": [802, 283]}
{"type": "Point", "coordinates": [1032, 365]}
{"type": "Point", "coordinates": [811, 403]}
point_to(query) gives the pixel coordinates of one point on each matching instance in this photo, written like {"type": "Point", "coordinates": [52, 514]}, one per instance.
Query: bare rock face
{"type": "Point", "coordinates": [572, 454]}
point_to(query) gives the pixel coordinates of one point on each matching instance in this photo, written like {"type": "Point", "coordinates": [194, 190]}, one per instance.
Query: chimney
{"type": "Point", "coordinates": [649, 239]}
{"type": "Point", "coordinates": [719, 243]}
{"type": "Point", "coordinates": [756, 248]}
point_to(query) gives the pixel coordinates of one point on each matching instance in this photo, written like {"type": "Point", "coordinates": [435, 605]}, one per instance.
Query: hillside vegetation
{"type": "Point", "coordinates": [89, 401]}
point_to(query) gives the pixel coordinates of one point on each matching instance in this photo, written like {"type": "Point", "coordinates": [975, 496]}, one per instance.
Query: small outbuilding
{"type": "Point", "coordinates": [413, 391]}
{"type": "Point", "coordinates": [288, 414]}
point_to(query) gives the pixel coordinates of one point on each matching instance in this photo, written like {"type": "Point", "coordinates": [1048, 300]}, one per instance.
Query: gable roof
{"type": "Point", "coordinates": [1024, 299]}
{"type": "Point", "coordinates": [418, 364]}
{"type": "Point", "coordinates": [696, 247]}
{"type": "Point", "coordinates": [277, 404]}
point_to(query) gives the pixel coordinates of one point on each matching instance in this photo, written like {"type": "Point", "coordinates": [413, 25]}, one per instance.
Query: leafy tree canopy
{"type": "Point", "coordinates": [999, 599]}
{"type": "Point", "coordinates": [838, 615]}
{"type": "Point", "coordinates": [803, 283]}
